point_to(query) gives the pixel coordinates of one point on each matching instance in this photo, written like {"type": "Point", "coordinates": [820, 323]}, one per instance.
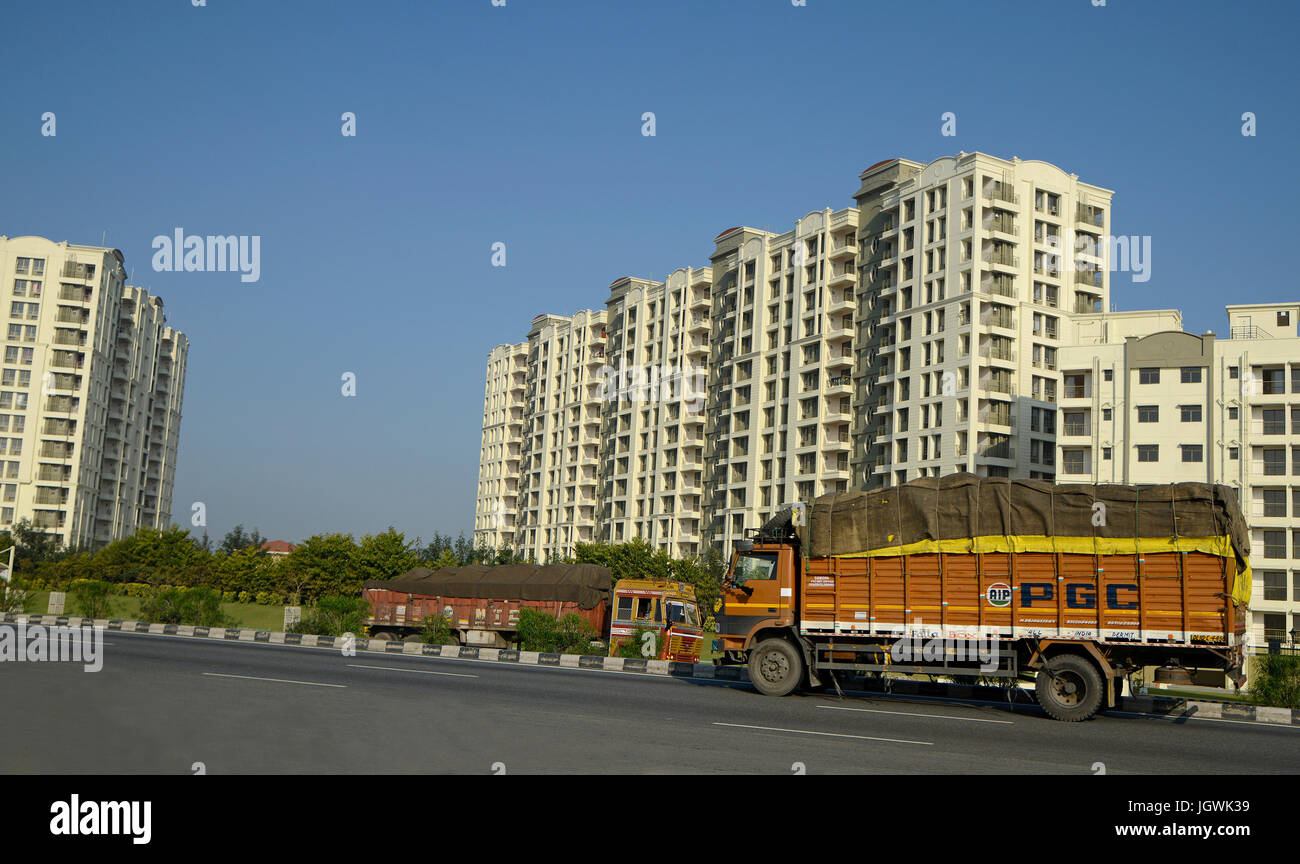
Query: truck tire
{"type": "Point", "coordinates": [1069, 688]}
{"type": "Point", "coordinates": [382, 636]}
{"type": "Point", "coordinates": [775, 667]}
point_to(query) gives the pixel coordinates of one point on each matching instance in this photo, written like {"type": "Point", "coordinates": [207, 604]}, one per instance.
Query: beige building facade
{"type": "Point", "coordinates": [90, 395]}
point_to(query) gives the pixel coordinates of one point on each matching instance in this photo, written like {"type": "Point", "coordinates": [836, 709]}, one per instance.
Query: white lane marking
{"type": "Point", "coordinates": [916, 714]}
{"type": "Point", "coordinates": [417, 671]}
{"type": "Point", "coordinates": [827, 734]}
{"type": "Point", "coordinates": [276, 680]}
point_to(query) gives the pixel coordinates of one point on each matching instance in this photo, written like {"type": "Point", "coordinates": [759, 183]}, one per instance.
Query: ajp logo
{"type": "Point", "coordinates": [999, 594]}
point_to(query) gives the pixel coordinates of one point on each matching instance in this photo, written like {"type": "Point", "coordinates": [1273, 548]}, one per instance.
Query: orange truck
{"type": "Point", "coordinates": [482, 604]}
{"type": "Point", "coordinates": [1072, 586]}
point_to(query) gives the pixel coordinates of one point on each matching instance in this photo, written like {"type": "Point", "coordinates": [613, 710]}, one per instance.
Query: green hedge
{"type": "Point", "coordinates": [1276, 680]}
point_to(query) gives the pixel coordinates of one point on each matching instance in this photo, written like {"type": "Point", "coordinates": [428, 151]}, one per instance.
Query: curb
{"type": "Point", "coordinates": [1163, 707]}
{"type": "Point", "coordinates": [666, 668]}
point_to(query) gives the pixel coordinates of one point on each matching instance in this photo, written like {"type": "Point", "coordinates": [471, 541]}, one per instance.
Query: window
{"type": "Point", "coordinates": [1274, 584]}
{"type": "Point", "coordinates": [1274, 502]}
{"type": "Point", "coordinates": [1191, 452]}
{"type": "Point", "coordinates": [1148, 414]}
{"type": "Point", "coordinates": [1105, 453]}
{"type": "Point", "coordinates": [1107, 374]}
{"type": "Point", "coordinates": [755, 567]}
{"type": "Point", "coordinates": [1274, 543]}
{"type": "Point", "coordinates": [1149, 375]}
{"type": "Point", "coordinates": [1233, 372]}
{"type": "Point", "coordinates": [1073, 462]}
{"type": "Point", "coordinates": [1190, 413]}
{"type": "Point", "coordinates": [1232, 413]}
{"type": "Point", "coordinates": [1106, 413]}
{"type": "Point", "coordinates": [1191, 375]}
{"type": "Point", "coordinates": [1234, 453]}
{"type": "Point", "coordinates": [1275, 462]}
{"type": "Point", "coordinates": [1148, 452]}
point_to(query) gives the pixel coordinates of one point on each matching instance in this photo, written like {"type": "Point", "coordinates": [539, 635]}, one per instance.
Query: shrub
{"type": "Point", "coordinates": [572, 634]}
{"type": "Point", "coordinates": [90, 598]}
{"type": "Point", "coordinates": [333, 616]}
{"type": "Point", "coordinates": [198, 606]}
{"type": "Point", "coordinates": [437, 631]}
{"type": "Point", "coordinates": [13, 597]}
{"type": "Point", "coordinates": [1276, 680]}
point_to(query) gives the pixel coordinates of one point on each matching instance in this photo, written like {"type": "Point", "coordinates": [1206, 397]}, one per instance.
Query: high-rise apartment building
{"type": "Point", "coordinates": [1144, 402]}
{"type": "Point", "coordinates": [780, 386]}
{"type": "Point", "coordinates": [503, 426]}
{"type": "Point", "coordinates": [969, 269]}
{"type": "Point", "coordinates": [653, 427]}
{"type": "Point", "coordinates": [90, 395]}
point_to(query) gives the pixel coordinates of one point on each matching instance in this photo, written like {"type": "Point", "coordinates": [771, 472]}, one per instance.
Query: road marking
{"type": "Point", "coordinates": [417, 671]}
{"type": "Point", "coordinates": [276, 680]}
{"type": "Point", "coordinates": [917, 714]}
{"type": "Point", "coordinates": [827, 734]}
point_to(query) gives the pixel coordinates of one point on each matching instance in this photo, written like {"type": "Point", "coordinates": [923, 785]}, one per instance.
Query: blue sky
{"type": "Point", "coordinates": [522, 124]}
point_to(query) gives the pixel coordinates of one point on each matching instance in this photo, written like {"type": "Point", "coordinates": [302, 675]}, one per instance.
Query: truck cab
{"type": "Point", "coordinates": [757, 595]}
{"type": "Point", "coordinates": [662, 616]}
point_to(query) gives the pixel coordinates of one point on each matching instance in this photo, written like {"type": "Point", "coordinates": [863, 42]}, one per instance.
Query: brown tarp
{"type": "Point", "coordinates": [963, 505]}
{"type": "Point", "coordinates": [584, 584]}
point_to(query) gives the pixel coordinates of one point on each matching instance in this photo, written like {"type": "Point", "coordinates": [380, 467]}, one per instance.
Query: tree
{"type": "Point", "coordinates": [385, 555]}
{"type": "Point", "coordinates": [236, 539]}
{"type": "Point", "coordinates": [323, 564]}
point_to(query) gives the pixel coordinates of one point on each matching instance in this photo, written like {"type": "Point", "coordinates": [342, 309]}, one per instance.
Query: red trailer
{"type": "Point", "coordinates": [482, 604]}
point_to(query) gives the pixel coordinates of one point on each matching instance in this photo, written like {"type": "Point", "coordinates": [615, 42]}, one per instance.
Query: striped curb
{"type": "Point", "coordinates": [666, 668]}
{"type": "Point", "coordinates": [1162, 706]}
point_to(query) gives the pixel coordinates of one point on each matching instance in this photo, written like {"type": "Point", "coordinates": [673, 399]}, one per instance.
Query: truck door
{"type": "Point", "coordinates": [753, 594]}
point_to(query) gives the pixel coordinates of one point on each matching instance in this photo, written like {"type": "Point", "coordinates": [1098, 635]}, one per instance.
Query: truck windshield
{"type": "Point", "coordinates": [683, 613]}
{"type": "Point", "coordinates": [755, 566]}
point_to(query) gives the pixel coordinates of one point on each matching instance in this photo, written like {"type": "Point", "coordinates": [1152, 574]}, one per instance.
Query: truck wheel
{"type": "Point", "coordinates": [412, 637]}
{"type": "Point", "coordinates": [775, 667]}
{"type": "Point", "coordinates": [382, 636]}
{"type": "Point", "coordinates": [1069, 688]}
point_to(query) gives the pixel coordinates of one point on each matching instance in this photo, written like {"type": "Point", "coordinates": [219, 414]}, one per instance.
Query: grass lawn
{"type": "Point", "coordinates": [250, 615]}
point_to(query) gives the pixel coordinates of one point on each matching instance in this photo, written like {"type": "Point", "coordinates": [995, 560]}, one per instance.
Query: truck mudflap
{"type": "Point", "coordinates": [1236, 670]}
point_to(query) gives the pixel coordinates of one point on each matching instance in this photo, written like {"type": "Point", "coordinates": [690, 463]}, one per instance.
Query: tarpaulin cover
{"type": "Point", "coordinates": [584, 584]}
{"type": "Point", "coordinates": [966, 506]}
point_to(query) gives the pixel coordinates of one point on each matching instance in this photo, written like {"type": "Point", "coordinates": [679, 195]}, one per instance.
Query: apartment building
{"type": "Point", "coordinates": [779, 410]}
{"type": "Point", "coordinates": [653, 423]}
{"type": "Point", "coordinates": [90, 395]}
{"type": "Point", "coordinates": [559, 438]}
{"type": "Point", "coordinates": [1144, 402]}
{"type": "Point", "coordinates": [970, 269]}
{"type": "Point", "coordinates": [499, 452]}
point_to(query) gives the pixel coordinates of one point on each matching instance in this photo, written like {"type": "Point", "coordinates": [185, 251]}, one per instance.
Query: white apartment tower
{"type": "Point", "coordinates": [503, 423]}
{"type": "Point", "coordinates": [559, 439]}
{"type": "Point", "coordinates": [90, 395]}
{"type": "Point", "coordinates": [780, 388]}
{"type": "Point", "coordinates": [653, 428]}
{"type": "Point", "coordinates": [970, 267]}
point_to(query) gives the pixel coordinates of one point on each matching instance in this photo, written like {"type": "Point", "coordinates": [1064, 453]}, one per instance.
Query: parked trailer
{"type": "Point", "coordinates": [482, 605]}
{"type": "Point", "coordinates": [1078, 586]}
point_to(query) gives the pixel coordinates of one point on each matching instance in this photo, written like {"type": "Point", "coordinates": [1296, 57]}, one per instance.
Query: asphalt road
{"type": "Point", "coordinates": [160, 705]}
